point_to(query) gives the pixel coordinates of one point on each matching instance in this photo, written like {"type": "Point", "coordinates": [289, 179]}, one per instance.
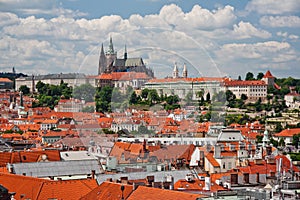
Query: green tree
{"type": "Point", "coordinates": [133, 99]}
{"type": "Point", "coordinates": [260, 75]}
{"type": "Point", "coordinates": [249, 76]}
{"type": "Point", "coordinates": [143, 130]}
{"type": "Point", "coordinates": [85, 91]}
{"type": "Point", "coordinates": [208, 97]}
{"type": "Point", "coordinates": [144, 93]}
{"type": "Point", "coordinates": [24, 89]}
{"type": "Point", "coordinates": [244, 97]}
{"type": "Point", "coordinates": [296, 139]}
{"type": "Point", "coordinates": [103, 99]}
{"type": "Point", "coordinates": [153, 97]}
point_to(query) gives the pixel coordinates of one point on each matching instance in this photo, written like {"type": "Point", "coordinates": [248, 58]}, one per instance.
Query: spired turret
{"type": "Point", "coordinates": [184, 72]}
{"type": "Point", "coordinates": [175, 71]}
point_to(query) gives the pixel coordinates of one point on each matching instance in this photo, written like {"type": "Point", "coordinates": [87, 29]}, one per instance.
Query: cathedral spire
{"type": "Point", "coordinates": [125, 53]}
{"type": "Point", "coordinates": [102, 61]}
{"type": "Point", "coordinates": [175, 71]}
{"type": "Point", "coordinates": [184, 72]}
{"type": "Point", "coordinates": [111, 47]}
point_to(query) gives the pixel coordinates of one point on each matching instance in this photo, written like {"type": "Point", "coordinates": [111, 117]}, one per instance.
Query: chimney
{"type": "Point", "coordinates": [93, 174]}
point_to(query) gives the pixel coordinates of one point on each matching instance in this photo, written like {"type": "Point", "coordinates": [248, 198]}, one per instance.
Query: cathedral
{"type": "Point", "coordinates": [108, 62]}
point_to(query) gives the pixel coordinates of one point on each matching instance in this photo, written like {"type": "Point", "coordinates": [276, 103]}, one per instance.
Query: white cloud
{"type": "Point", "coordinates": [273, 6]}
{"type": "Point", "coordinates": [281, 21]}
{"type": "Point", "coordinates": [266, 52]}
{"type": "Point", "coordinates": [247, 30]}
{"type": "Point", "coordinates": [34, 7]}
{"type": "Point", "coordinates": [64, 43]}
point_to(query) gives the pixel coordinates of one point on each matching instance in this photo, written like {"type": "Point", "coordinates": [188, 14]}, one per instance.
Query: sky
{"type": "Point", "coordinates": [212, 37]}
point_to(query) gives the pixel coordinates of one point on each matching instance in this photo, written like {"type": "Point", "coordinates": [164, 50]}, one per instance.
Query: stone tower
{"type": "Point", "coordinates": [184, 72]}
{"type": "Point", "coordinates": [175, 71]}
{"type": "Point", "coordinates": [102, 61]}
{"type": "Point", "coordinates": [111, 55]}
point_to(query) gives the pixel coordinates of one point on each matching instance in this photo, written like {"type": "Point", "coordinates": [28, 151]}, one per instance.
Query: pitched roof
{"type": "Point", "coordinates": [244, 83]}
{"type": "Point", "coordinates": [26, 186]}
{"type": "Point", "coordinates": [70, 189]}
{"type": "Point", "coordinates": [212, 160]}
{"type": "Point", "coordinates": [288, 132]}
{"type": "Point", "coordinates": [108, 191]}
{"type": "Point", "coordinates": [7, 80]}
{"type": "Point", "coordinates": [268, 75]}
{"type": "Point", "coordinates": [147, 193]}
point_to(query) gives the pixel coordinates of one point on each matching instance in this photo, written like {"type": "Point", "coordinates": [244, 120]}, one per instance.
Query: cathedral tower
{"type": "Point", "coordinates": [111, 55]}
{"type": "Point", "coordinates": [175, 71]}
{"type": "Point", "coordinates": [184, 72]}
{"type": "Point", "coordinates": [102, 61]}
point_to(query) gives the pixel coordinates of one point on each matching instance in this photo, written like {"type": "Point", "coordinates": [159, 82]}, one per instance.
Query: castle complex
{"type": "Point", "coordinates": [108, 62]}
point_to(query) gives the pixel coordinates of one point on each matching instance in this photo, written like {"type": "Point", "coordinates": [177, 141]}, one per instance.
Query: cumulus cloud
{"type": "Point", "coordinates": [271, 51]}
{"type": "Point", "coordinates": [281, 21]}
{"type": "Point", "coordinates": [66, 43]}
{"type": "Point", "coordinates": [273, 6]}
{"type": "Point", "coordinates": [36, 7]}
{"type": "Point", "coordinates": [247, 30]}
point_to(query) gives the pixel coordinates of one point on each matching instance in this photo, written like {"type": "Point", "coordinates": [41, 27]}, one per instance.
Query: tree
{"type": "Point", "coordinates": [239, 78]}
{"type": "Point", "coordinates": [296, 139]}
{"type": "Point", "coordinates": [145, 93]}
{"type": "Point", "coordinates": [260, 75]}
{"type": "Point", "coordinates": [103, 99]}
{"type": "Point", "coordinates": [24, 89]}
{"type": "Point", "coordinates": [244, 97]}
{"type": "Point", "coordinates": [133, 99]}
{"type": "Point", "coordinates": [249, 76]}
{"type": "Point", "coordinates": [85, 91]}
{"type": "Point", "coordinates": [153, 96]}
{"type": "Point", "coordinates": [208, 97]}
{"type": "Point", "coordinates": [143, 130]}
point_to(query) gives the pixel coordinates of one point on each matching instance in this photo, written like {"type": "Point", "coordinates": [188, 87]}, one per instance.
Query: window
{"type": "Point", "coordinates": [223, 165]}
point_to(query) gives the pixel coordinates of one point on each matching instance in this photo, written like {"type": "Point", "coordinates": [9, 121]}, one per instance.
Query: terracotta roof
{"type": "Point", "coordinates": [288, 132]}
{"type": "Point", "coordinates": [40, 189]}
{"type": "Point", "coordinates": [268, 75]}
{"type": "Point", "coordinates": [147, 193]}
{"type": "Point", "coordinates": [70, 189]}
{"type": "Point", "coordinates": [27, 156]}
{"type": "Point", "coordinates": [244, 83]}
{"type": "Point", "coordinates": [28, 187]}
{"type": "Point", "coordinates": [123, 76]}
{"type": "Point", "coordinates": [200, 79]}
{"type": "Point", "coordinates": [108, 191]}
{"type": "Point", "coordinates": [7, 80]}
{"type": "Point", "coordinates": [212, 160]}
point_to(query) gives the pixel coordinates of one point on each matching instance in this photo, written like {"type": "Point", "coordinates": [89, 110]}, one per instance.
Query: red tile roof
{"type": "Point", "coordinates": [212, 160]}
{"type": "Point", "coordinates": [288, 132]}
{"type": "Point", "coordinates": [70, 189]}
{"type": "Point", "coordinates": [40, 189]}
{"type": "Point", "coordinates": [7, 80]}
{"type": "Point", "coordinates": [148, 193]}
{"type": "Point", "coordinates": [108, 191]}
{"type": "Point", "coordinates": [268, 75]}
{"type": "Point", "coordinates": [243, 83]}
{"type": "Point", "coordinates": [123, 76]}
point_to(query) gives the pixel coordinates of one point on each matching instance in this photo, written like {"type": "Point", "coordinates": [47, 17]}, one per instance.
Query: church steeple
{"type": "Point", "coordinates": [125, 53]}
{"type": "Point", "coordinates": [175, 71]}
{"type": "Point", "coordinates": [102, 61]}
{"type": "Point", "coordinates": [111, 47]}
{"type": "Point", "coordinates": [184, 72]}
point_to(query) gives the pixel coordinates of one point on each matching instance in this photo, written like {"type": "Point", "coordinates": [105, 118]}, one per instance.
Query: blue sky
{"type": "Point", "coordinates": [214, 38]}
